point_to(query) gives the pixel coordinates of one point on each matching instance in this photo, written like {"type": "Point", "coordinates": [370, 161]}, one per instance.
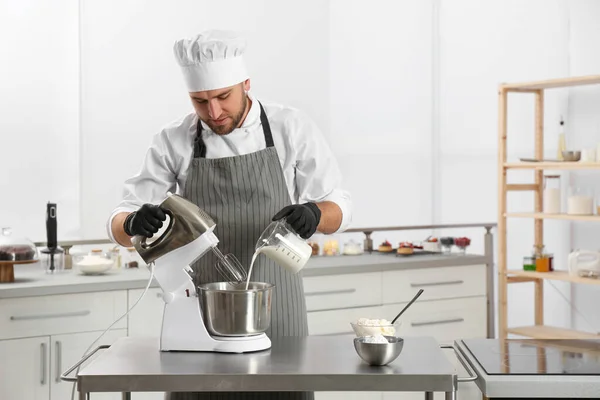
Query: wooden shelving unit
{"type": "Point", "coordinates": [567, 217]}
{"type": "Point", "coordinates": [538, 330]}
{"type": "Point", "coordinates": [552, 165]}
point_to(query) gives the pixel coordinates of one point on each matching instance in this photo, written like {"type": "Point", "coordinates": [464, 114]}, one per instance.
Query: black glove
{"type": "Point", "coordinates": [145, 222]}
{"type": "Point", "coordinates": [303, 218]}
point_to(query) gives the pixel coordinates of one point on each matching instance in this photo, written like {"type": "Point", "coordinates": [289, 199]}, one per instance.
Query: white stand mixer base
{"type": "Point", "coordinates": [241, 344]}
{"type": "Point", "coordinates": [183, 329]}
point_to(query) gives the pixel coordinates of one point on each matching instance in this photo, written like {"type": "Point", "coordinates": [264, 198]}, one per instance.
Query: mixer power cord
{"type": "Point", "coordinates": [151, 266]}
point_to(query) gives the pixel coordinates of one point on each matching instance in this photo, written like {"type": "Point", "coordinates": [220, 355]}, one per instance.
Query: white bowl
{"type": "Point", "coordinates": [93, 264]}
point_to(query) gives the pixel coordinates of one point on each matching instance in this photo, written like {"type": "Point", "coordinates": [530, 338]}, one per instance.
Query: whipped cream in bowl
{"type": "Point", "coordinates": [372, 327]}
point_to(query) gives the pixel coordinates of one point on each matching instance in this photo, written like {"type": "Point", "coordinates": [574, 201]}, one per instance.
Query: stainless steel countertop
{"type": "Point", "coordinates": [313, 363]}
{"type": "Point", "coordinates": [31, 280]}
{"type": "Point", "coordinates": [530, 386]}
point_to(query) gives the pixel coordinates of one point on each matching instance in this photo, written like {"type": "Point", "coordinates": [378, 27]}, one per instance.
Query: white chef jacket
{"type": "Point", "coordinates": [309, 167]}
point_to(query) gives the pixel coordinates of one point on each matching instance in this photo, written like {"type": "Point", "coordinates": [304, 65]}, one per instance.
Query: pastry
{"type": "Point", "coordinates": [405, 248]}
{"type": "Point", "coordinates": [432, 244]}
{"type": "Point", "coordinates": [385, 247]}
{"type": "Point", "coordinates": [447, 241]}
{"type": "Point", "coordinates": [462, 242]}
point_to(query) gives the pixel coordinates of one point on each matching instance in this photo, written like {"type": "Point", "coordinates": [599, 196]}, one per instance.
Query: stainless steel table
{"type": "Point", "coordinates": [314, 363]}
{"type": "Point", "coordinates": [530, 385]}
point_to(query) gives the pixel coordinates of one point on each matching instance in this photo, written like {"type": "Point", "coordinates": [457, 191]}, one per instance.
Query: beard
{"type": "Point", "coordinates": [235, 120]}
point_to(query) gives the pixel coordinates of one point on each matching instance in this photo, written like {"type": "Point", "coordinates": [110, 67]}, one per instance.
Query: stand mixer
{"type": "Point", "coordinates": [218, 317]}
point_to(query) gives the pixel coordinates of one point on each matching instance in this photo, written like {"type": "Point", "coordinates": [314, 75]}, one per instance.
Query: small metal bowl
{"type": "Point", "coordinates": [571, 155]}
{"type": "Point", "coordinates": [379, 353]}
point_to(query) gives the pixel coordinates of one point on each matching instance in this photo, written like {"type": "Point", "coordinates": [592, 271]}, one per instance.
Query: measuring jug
{"type": "Point", "coordinates": [281, 244]}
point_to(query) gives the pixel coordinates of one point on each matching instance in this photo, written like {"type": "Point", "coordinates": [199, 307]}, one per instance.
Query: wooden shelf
{"type": "Point", "coordinates": [555, 275]}
{"type": "Point", "coordinates": [568, 217]}
{"type": "Point", "coordinates": [558, 165]}
{"type": "Point", "coordinates": [550, 332]}
{"type": "Point", "coordinates": [537, 90]}
{"type": "Point", "coordinates": [552, 83]}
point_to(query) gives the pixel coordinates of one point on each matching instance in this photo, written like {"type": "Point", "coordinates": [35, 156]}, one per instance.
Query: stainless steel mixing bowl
{"type": "Point", "coordinates": [379, 353]}
{"type": "Point", "coordinates": [231, 310]}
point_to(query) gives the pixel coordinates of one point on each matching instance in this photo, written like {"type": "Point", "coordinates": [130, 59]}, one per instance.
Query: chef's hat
{"type": "Point", "coordinates": [211, 60]}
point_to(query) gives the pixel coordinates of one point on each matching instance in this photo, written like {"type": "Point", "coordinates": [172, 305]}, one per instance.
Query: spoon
{"type": "Point", "coordinates": [408, 305]}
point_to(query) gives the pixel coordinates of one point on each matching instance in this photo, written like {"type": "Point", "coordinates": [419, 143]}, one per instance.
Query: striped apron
{"type": "Point", "coordinates": [242, 193]}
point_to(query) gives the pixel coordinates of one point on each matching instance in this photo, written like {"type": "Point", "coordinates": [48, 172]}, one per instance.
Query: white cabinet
{"type": "Point", "coordinates": [444, 320]}
{"type": "Point", "coordinates": [25, 369]}
{"type": "Point", "coordinates": [337, 322]}
{"type": "Point", "coordinates": [342, 291]}
{"type": "Point", "coordinates": [66, 350]}
{"type": "Point", "coordinates": [437, 283]}
{"type": "Point", "coordinates": [30, 368]}
{"type": "Point", "coordinates": [59, 314]}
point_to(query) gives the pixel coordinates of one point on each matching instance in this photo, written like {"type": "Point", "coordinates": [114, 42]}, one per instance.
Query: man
{"type": "Point", "coordinates": [246, 164]}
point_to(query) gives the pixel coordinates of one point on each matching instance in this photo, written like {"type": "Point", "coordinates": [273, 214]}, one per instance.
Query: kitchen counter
{"type": "Point", "coordinates": [30, 280]}
{"type": "Point", "coordinates": [313, 363]}
{"type": "Point", "coordinates": [540, 376]}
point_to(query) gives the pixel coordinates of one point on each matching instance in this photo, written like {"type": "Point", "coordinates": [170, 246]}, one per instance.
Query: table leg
{"type": "Point", "coordinates": [450, 395]}
{"type": "Point", "coordinates": [428, 395]}
{"type": "Point", "coordinates": [126, 395]}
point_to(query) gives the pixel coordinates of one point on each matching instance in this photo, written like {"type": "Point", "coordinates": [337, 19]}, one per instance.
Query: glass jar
{"type": "Point", "coordinates": [529, 263]}
{"type": "Point", "coordinates": [580, 201]}
{"type": "Point", "coordinates": [331, 247]}
{"type": "Point", "coordinates": [352, 248]}
{"type": "Point", "coordinates": [543, 260]}
{"type": "Point", "coordinates": [130, 258]}
{"type": "Point", "coordinates": [552, 194]}
{"type": "Point", "coordinates": [115, 255]}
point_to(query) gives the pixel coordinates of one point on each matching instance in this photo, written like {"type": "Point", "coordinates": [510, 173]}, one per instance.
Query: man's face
{"type": "Point", "coordinates": [222, 110]}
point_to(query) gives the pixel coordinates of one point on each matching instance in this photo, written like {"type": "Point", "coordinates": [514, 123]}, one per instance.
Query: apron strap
{"type": "Point", "coordinates": [200, 147]}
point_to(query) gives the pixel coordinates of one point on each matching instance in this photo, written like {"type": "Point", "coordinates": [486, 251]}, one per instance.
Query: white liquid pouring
{"type": "Point", "coordinates": [292, 253]}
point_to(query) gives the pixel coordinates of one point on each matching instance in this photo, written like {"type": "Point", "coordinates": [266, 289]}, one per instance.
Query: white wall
{"type": "Point", "coordinates": [582, 131]}
{"type": "Point", "coordinates": [482, 45]}
{"type": "Point", "coordinates": [39, 115]}
{"type": "Point", "coordinates": [380, 99]}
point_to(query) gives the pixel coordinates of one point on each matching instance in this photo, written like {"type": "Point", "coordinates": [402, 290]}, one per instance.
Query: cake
{"type": "Point", "coordinates": [405, 248]}
{"type": "Point", "coordinates": [432, 244]}
{"type": "Point", "coordinates": [385, 247]}
{"type": "Point", "coordinates": [17, 253]}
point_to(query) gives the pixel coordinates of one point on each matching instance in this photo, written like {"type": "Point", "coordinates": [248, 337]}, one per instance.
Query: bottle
{"type": "Point", "coordinates": [562, 144]}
